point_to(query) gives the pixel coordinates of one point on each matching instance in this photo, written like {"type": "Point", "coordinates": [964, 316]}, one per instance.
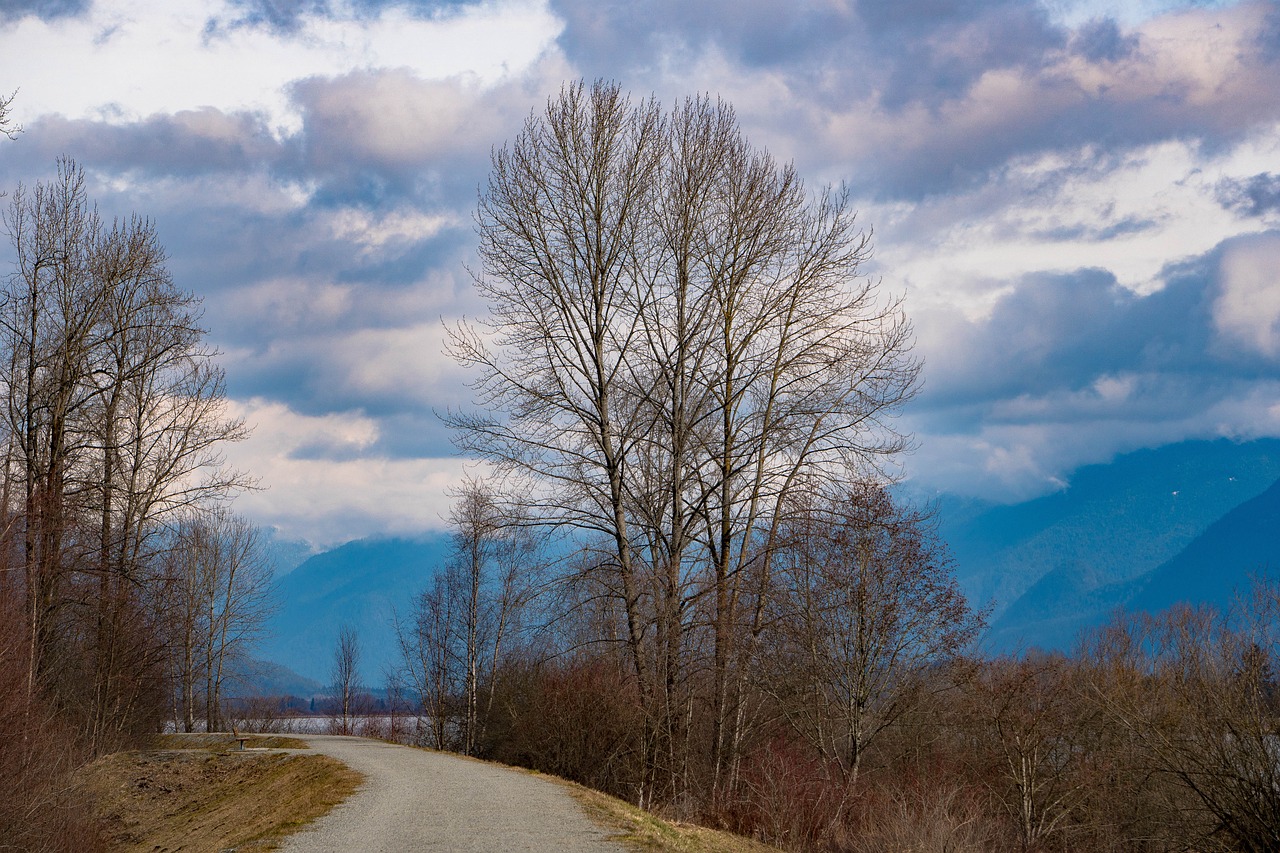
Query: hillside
{"type": "Point", "coordinates": [366, 584]}
{"type": "Point", "coordinates": [1048, 565]}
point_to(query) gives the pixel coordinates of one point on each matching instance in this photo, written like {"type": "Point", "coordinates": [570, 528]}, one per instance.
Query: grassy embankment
{"type": "Point", "coordinates": [641, 831]}
{"type": "Point", "coordinates": [199, 793]}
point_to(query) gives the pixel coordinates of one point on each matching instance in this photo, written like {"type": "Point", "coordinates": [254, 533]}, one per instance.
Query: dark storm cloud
{"type": "Point", "coordinates": [48, 10]}
{"type": "Point", "coordinates": [1253, 196]}
{"type": "Point", "coordinates": [182, 144]}
{"type": "Point", "coordinates": [1050, 349]}
{"type": "Point", "coordinates": [917, 97]}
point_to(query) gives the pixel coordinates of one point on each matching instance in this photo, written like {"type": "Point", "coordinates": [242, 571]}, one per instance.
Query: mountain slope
{"type": "Point", "coordinates": [1045, 564]}
{"type": "Point", "coordinates": [1220, 562]}
{"type": "Point", "coordinates": [364, 584]}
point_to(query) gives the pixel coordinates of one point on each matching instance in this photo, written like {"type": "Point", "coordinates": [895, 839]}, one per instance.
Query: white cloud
{"type": "Point", "coordinates": [1057, 214]}
{"type": "Point", "coordinates": [327, 500]}
{"type": "Point", "coordinates": [384, 231]}
{"type": "Point", "coordinates": [126, 59]}
{"type": "Point", "coordinates": [1247, 309]}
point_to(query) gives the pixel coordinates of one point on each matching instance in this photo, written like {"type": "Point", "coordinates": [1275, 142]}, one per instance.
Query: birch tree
{"type": "Point", "coordinates": [219, 598]}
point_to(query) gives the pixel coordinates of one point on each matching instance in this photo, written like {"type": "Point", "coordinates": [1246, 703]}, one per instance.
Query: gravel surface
{"type": "Point", "coordinates": [418, 800]}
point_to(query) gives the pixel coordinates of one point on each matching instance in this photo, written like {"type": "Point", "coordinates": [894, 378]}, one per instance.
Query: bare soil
{"type": "Point", "coordinates": [209, 796]}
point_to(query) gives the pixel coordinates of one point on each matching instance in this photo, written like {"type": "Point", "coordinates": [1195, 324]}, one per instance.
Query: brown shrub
{"type": "Point", "coordinates": [44, 807]}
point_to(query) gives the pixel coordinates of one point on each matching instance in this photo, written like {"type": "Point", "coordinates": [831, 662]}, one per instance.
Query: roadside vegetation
{"type": "Point", "coordinates": [689, 582]}
{"type": "Point", "coordinates": [126, 586]}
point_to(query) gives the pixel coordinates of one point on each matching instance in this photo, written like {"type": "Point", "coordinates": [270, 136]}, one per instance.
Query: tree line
{"type": "Point", "coordinates": [126, 584]}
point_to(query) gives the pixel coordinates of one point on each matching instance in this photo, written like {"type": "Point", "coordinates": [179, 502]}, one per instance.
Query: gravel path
{"type": "Point", "coordinates": [417, 800]}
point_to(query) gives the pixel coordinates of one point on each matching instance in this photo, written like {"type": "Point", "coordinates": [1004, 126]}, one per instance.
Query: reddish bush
{"type": "Point", "coordinates": [43, 807]}
{"type": "Point", "coordinates": [576, 719]}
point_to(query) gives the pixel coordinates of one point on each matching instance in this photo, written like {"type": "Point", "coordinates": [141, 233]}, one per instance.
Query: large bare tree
{"type": "Point", "coordinates": [680, 345]}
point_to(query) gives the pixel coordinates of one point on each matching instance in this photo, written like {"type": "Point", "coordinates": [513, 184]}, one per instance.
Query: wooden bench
{"type": "Point", "coordinates": [239, 738]}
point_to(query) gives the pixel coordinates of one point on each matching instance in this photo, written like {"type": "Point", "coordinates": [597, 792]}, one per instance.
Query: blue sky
{"type": "Point", "coordinates": [1079, 200]}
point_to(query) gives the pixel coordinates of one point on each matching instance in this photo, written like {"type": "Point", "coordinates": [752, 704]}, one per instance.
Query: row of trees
{"type": "Point", "coordinates": [873, 729]}
{"type": "Point", "coordinates": [126, 572]}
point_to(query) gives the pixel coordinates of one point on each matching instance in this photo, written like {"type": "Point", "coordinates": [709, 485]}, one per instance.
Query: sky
{"type": "Point", "coordinates": [1078, 200]}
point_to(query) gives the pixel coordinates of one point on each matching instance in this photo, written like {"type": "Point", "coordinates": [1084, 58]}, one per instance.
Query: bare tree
{"type": "Point", "coordinates": [463, 623]}
{"type": "Point", "coordinates": [215, 595]}
{"type": "Point", "coordinates": [346, 675]}
{"type": "Point", "coordinates": [680, 344]}
{"type": "Point", "coordinates": [491, 576]}
{"type": "Point", "coordinates": [867, 602]}
{"type": "Point", "coordinates": [1038, 726]}
{"type": "Point", "coordinates": [429, 649]}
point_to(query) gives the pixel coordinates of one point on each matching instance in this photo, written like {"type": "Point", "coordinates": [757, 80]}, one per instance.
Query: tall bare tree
{"type": "Point", "coordinates": [346, 675]}
{"type": "Point", "coordinates": [680, 344]}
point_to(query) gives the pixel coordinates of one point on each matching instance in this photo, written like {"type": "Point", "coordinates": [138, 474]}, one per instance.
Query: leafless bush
{"type": "Point", "coordinates": [924, 820]}
{"type": "Point", "coordinates": [43, 807]}
{"type": "Point", "coordinates": [576, 719]}
{"type": "Point", "coordinates": [788, 796]}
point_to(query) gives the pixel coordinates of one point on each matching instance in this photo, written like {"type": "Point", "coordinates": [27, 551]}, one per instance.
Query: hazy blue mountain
{"type": "Point", "coordinates": [254, 677]}
{"type": "Point", "coordinates": [364, 584]}
{"type": "Point", "coordinates": [1212, 570]}
{"type": "Point", "coordinates": [1048, 565]}
{"type": "Point", "coordinates": [285, 555]}
{"type": "Point", "coordinates": [1219, 562]}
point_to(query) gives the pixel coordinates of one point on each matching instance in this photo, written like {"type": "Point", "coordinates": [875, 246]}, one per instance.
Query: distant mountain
{"type": "Point", "coordinates": [254, 677]}
{"type": "Point", "coordinates": [285, 555]}
{"type": "Point", "coordinates": [1049, 565]}
{"type": "Point", "coordinates": [364, 584]}
{"type": "Point", "coordinates": [1218, 563]}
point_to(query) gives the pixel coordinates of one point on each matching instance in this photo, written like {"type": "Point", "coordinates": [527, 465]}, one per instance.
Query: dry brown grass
{"type": "Point", "coordinates": [209, 796]}
{"type": "Point", "coordinates": [642, 831]}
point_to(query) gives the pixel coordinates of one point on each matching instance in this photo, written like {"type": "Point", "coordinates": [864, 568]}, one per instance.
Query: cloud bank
{"type": "Point", "coordinates": [1082, 210]}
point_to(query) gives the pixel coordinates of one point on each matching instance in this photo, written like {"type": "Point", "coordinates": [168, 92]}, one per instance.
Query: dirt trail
{"type": "Point", "coordinates": [417, 800]}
